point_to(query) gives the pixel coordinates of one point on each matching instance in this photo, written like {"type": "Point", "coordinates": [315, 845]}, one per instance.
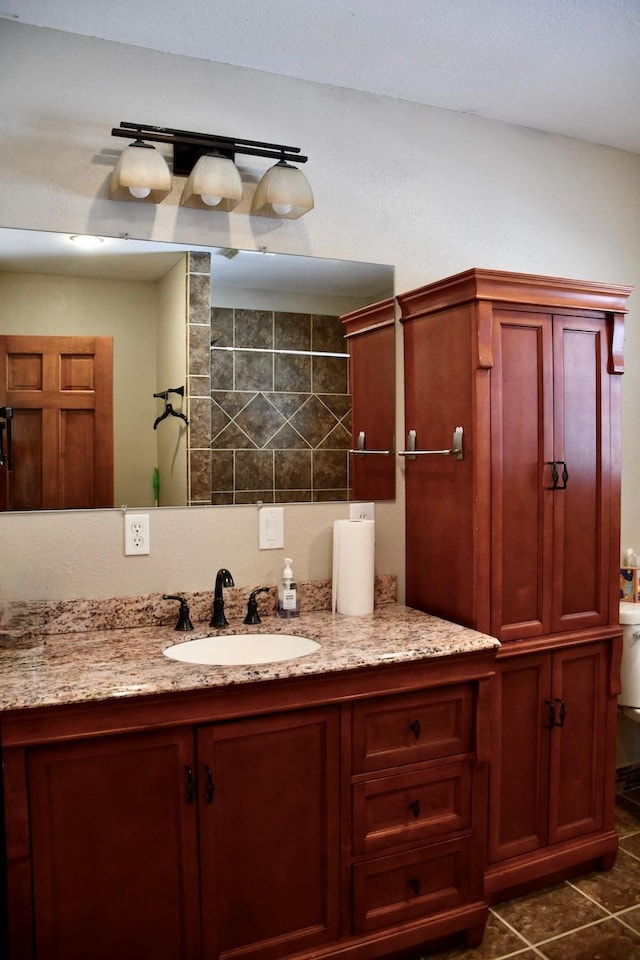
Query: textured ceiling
{"type": "Point", "coordinates": [565, 66]}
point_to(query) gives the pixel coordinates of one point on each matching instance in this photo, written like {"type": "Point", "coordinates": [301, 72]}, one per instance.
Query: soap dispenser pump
{"type": "Point", "coordinates": [288, 603]}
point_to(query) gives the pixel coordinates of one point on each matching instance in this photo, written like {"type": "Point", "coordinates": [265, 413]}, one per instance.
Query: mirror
{"type": "Point", "coordinates": [258, 361]}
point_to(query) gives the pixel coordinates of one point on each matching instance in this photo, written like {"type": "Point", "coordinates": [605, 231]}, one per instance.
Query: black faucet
{"type": "Point", "coordinates": [184, 620]}
{"type": "Point", "coordinates": [223, 579]}
{"type": "Point", "coordinates": [252, 606]}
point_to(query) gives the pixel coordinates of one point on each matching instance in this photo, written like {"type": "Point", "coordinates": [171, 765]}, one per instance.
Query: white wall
{"type": "Point", "coordinates": [430, 191]}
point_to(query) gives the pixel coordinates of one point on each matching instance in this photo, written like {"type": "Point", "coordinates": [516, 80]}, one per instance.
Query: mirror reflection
{"type": "Point", "coordinates": [247, 347]}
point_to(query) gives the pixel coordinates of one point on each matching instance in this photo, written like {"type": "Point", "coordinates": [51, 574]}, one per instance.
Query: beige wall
{"type": "Point", "coordinates": [171, 434]}
{"type": "Point", "coordinates": [429, 191]}
{"type": "Point", "coordinates": [128, 312]}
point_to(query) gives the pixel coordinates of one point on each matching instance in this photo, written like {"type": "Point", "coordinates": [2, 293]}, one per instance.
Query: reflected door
{"type": "Point", "coordinates": [59, 395]}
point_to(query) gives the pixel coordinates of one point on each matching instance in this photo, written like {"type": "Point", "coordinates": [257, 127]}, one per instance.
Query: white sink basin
{"type": "Point", "coordinates": [242, 648]}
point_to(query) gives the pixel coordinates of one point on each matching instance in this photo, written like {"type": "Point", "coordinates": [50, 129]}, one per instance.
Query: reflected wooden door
{"type": "Point", "coordinates": [60, 390]}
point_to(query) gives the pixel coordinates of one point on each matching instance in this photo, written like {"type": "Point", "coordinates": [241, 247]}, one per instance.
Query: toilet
{"type": "Point", "coordinates": [629, 698]}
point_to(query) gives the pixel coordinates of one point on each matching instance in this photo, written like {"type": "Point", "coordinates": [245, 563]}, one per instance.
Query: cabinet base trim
{"type": "Point", "coordinates": [468, 920]}
{"type": "Point", "coordinates": [549, 865]}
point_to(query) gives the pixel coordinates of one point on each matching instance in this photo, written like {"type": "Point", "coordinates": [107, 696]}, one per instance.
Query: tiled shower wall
{"type": "Point", "coordinates": [266, 424]}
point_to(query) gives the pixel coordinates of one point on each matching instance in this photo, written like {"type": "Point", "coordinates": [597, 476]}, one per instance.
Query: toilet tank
{"type": "Point", "coordinates": [630, 666]}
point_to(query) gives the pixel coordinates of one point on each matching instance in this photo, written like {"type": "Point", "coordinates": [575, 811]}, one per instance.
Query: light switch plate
{"type": "Point", "coordinates": [270, 528]}
{"type": "Point", "coordinates": [362, 511]}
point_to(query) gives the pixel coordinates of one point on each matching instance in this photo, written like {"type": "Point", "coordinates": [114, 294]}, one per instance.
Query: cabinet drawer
{"type": "Point", "coordinates": [411, 807]}
{"type": "Point", "coordinates": [400, 888]}
{"type": "Point", "coordinates": [390, 731]}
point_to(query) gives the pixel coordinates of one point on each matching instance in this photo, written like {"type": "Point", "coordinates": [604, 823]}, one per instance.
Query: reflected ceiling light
{"type": "Point", "coordinates": [213, 182]}
{"type": "Point", "coordinates": [283, 192]}
{"type": "Point", "coordinates": [213, 179]}
{"type": "Point", "coordinates": [85, 242]}
{"type": "Point", "coordinates": [141, 173]}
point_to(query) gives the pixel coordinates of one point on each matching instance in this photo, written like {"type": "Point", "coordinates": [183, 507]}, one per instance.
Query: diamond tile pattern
{"type": "Point", "coordinates": [280, 422]}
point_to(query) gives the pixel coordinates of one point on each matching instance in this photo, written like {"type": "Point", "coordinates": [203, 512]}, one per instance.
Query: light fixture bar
{"type": "Point", "coordinates": [191, 145]}
{"type": "Point", "coordinates": [208, 162]}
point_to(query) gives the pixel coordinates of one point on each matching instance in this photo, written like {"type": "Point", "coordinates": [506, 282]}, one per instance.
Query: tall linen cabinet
{"type": "Point", "coordinates": [513, 529]}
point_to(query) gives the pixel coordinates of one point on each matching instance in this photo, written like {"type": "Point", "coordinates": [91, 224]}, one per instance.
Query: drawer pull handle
{"type": "Point", "coordinates": [209, 787]}
{"type": "Point", "coordinates": [415, 728]}
{"type": "Point", "coordinates": [414, 883]}
{"type": "Point", "coordinates": [190, 790]}
{"type": "Point", "coordinates": [414, 806]}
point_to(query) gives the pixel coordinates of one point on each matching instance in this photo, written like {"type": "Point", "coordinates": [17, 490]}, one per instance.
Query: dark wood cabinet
{"type": "Point", "coordinates": [520, 538]}
{"type": "Point", "coordinates": [114, 848]}
{"type": "Point", "coordinates": [269, 834]}
{"type": "Point", "coordinates": [554, 473]}
{"type": "Point", "coordinates": [127, 831]}
{"type": "Point", "coordinates": [351, 825]}
{"type": "Point", "coordinates": [370, 333]}
{"type": "Point", "coordinates": [418, 810]}
{"type": "Point", "coordinates": [551, 792]}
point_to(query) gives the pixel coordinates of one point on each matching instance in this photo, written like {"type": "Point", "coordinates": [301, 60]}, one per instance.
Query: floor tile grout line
{"type": "Point", "coordinates": [567, 933]}
{"type": "Point", "coordinates": [588, 896]}
{"type": "Point", "coordinates": [509, 926]}
{"type": "Point", "coordinates": [628, 852]}
{"type": "Point", "coordinates": [627, 926]}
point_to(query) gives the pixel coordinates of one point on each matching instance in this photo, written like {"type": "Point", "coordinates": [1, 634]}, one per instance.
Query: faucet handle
{"type": "Point", "coordinates": [252, 616]}
{"type": "Point", "coordinates": [184, 620]}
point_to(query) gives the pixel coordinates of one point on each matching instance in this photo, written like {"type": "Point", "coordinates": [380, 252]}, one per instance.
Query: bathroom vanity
{"type": "Point", "coordinates": [329, 806]}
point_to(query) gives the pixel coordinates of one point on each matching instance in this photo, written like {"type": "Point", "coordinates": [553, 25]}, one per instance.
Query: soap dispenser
{"type": "Point", "coordinates": [288, 603]}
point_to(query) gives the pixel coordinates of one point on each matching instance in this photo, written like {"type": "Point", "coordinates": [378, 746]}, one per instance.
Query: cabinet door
{"type": "Point", "coordinates": [520, 757]}
{"type": "Point", "coordinates": [521, 451]}
{"type": "Point", "coordinates": [441, 526]}
{"type": "Point", "coordinates": [550, 474]}
{"type": "Point", "coordinates": [370, 333]}
{"type": "Point", "coordinates": [579, 693]}
{"type": "Point", "coordinates": [582, 504]}
{"type": "Point", "coordinates": [269, 828]}
{"type": "Point", "coordinates": [114, 848]}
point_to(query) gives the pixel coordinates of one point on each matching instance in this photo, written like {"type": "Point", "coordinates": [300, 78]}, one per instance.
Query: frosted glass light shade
{"type": "Point", "coordinates": [141, 174]}
{"type": "Point", "coordinates": [283, 192]}
{"type": "Point", "coordinates": [213, 184]}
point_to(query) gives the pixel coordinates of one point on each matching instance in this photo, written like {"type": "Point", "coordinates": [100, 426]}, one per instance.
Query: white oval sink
{"type": "Point", "coordinates": [243, 648]}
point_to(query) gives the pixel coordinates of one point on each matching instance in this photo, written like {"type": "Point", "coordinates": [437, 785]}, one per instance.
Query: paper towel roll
{"type": "Point", "coordinates": [353, 566]}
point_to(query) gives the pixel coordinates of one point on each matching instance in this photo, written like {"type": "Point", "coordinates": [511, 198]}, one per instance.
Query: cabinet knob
{"type": "Point", "coordinates": [415, 728]}
{"type": "Point", "coordinates": [414, 883]}
{"type": "Point", "coordinates": [561, 713]}
{"type": "Point", "coordinates": [414, 806]}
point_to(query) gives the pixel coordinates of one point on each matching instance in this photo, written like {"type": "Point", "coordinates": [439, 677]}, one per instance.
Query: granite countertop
{"type": "Point", "coordinates": [68, 668]}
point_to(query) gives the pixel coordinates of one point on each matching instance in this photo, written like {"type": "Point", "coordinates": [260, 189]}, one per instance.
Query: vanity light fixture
{"type": "Point", "coordinates": [214, 182]}
{"type": "Point", "coordinates": [213, 179]}
{"type": "Point", "coordinates": [284, 191]}
{"type": "Point", "coordinates": [141, 174]}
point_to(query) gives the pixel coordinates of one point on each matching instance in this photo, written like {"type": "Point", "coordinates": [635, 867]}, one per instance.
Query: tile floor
{"type": "Point", "coordinates": [592, 917]}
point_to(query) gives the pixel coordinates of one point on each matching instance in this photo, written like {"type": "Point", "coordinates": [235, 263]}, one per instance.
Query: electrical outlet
{"type": "Point", "coordinates": [362, 511]}
{"type": "Point", "coordinates": [136, 534]}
